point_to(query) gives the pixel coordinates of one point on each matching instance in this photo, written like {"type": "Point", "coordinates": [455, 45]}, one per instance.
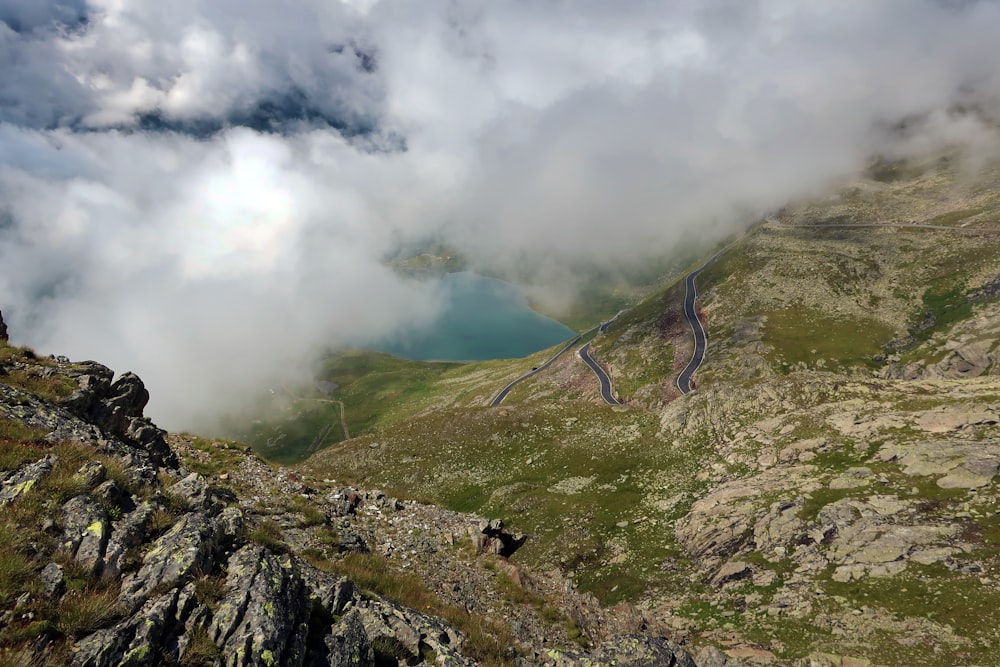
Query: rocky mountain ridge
{"type": "Point", "coordinates": [830, 487]}
{"type": "Point", "coordinates": [118, 553]}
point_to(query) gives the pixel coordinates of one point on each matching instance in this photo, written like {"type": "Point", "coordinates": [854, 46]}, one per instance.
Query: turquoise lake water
{"type": "Point", "coordinates": [484, 318]}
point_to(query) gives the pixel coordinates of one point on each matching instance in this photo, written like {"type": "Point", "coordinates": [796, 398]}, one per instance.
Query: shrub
{"type": "Point", "coordinates": [82, 612]}
{"type": "Point", "coordinates": [267, 533]}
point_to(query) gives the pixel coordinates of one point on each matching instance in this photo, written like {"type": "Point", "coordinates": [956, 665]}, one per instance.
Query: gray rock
{"type": "Point", "coordinates": [125, 399]}
{"type": "Point", "coordinates": [193, 490]}
{"type": "Point", "coordinates": [93, 380]}
{"type": "Point", "coordinates": [347, 644]}
{"type": "Point", "coordinates": [117, 409]}
{"type": "Point", "coordinates": [327, 591]}
{"type": "Point", "coordinates": [52, 579]}
{"type": "Point", "coordinates": [143, 433]}
{"type": "Point", "coordinates": [92, 473]}
{"type": "Point", "coordinates": [127, 533]}
{"type": "Point", "coordinates": [135, 642]}
{"type": "Point", "coordinates": [730, 572]}
{"type": "Point", "coordinates": [231, 524]}
{"type": "Point", "coordinates": [261, 620]}
{"type": "Point", "coordinates": [187, 603]}
{"type": "Point", "coordinates": [409, 631]}
{"type": "Point", "coordinates": [153, 622]}
{"type": "Point", "coordinates": [189, 547]}
{"type": "Point", "coordinates": [710, 656]}
{"type": "Point", "coordinates": [16, 482]}
{"type": "Point", "coordinates": [109, 492]}
{"type": "Point", "coordinates": [85, 531]}
{"type": "Point", "coordinates": [62, 425]}
{"type": "Point", "coordinates": [629, 651]}
{"type": "Point", "coordinates": [349, 540]}
{"type": "Point", "coordinates": [495, 539]}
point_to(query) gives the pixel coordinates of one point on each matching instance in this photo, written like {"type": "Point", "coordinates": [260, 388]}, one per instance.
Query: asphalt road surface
{"type": "Point", "coordinates": [506, 390]}
{"type": "Point", "coordinates": [606, 391]}
{"type": "Point", "coordinates": [700, 340]}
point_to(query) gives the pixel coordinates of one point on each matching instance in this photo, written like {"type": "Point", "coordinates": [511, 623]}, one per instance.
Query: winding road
{"type": "Point", "coordinates": [535, 371]}
{"type": "Point", "coordinates": [691, 315]}
{"type": "Point", "coordinates": [607, 393]}
{"type": "Point", "coordinates": [698, 331]}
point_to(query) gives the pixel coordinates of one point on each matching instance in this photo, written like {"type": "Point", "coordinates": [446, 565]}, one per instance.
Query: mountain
{"type": "Point", "coordinates": [121, 544]}
{"type": "Point", "coordinates": [827, 490]}
{"type": "Point", "coordinates": [825, 496]}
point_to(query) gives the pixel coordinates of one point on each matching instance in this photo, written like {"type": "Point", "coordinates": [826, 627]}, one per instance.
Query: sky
{"type": "Point", "coordinates": [205, 191]}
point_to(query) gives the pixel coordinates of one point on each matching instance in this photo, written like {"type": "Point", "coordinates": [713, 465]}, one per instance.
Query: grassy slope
{"type": "Point", "coordinates": [799, 311]}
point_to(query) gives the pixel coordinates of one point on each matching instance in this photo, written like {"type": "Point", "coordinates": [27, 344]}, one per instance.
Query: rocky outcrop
{"type": "Point", "coordinates": [85, 531]}
{"type": "Point", "coordinates": [3, 330]}
{"type": "Point", "coordinates": [493, 537]}
{"type": "Point", "coordinates": [629, 651]}
{"type": "Point", "coordinates": [116, 409]}
{"type": "Point", "coordinates": [62, 425]}
{"type": "Point", "coordinates": [190, 573]}
{"type": "Point", "coordinates": [13, 483]}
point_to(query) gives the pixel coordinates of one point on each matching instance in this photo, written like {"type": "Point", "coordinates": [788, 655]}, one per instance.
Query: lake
{"type": "Point", "coordinates": [484, 318]}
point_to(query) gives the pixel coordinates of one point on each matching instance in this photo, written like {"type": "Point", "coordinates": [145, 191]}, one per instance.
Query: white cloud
{"type": "Point", "coordinates": [143, 222]}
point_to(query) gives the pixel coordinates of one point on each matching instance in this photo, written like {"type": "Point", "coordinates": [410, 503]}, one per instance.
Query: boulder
{"type": "Point", "coordinates": [347, 644]}
{"type": "Point", "coordinates": [91, 474]}
{"type": "Point", "coordinates": [629, 651]}
{"type": "Point", "coordinates": [197, 494]}
{"type": "Point", "coordinates": [135, 641]}
{"type": "Point", "coordinates": [53, 581]}
{"type": "Point", "coordinates": [19, 481]}
{"type": "Point", "coordinates": [407, 634]}
{"type": "Point", "coordinates": [116, 408]}
{"type": "Point", "coordinates": [93, 380]}
{"type": "Point", "coordinates": [261, 620]}
{"type": "Point", "coordinates": [85, 531]}
{"type": "Point", "coordinates": [494, 538]}
{"type": "Point", "coordinates": [189, 547]}
{"type": "Point", "coordinates": [735, 570]}
{"type": "Point", "coordinates": [710, 656]}
{"type": "Point", "coordinates": [127, 533]}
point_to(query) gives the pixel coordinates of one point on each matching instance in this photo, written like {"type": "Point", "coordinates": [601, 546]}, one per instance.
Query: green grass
{"type": "Point", "coordinates": [50, 388]}
{"type": "Point", "coordinates": [81, 612]}
{"type": "Point", "coordinates": [372, 385]}
{"type": "Point", "coordinates": [25, 548]}
{"type": "Point", "coordinates": [799, 335]}
{"type": "Point", "coordinates": [201, 650]}
{"type": "Point", "coordinates": [13, 438]}
{"type": "Point", "coordinates": [954, 217]}
{"type": "Point", "coordinates": [476, 460]}
{"type": "Point", "coordinates": [933, 592]}
{"type": "Point", "coordinates": [213, 456]}
{"type": "Point", "coordinates": [642, 371]}
{"type": "Point", "coordinates": [948, 302]}
{"type": "Point", "coordinates": [267, 533]}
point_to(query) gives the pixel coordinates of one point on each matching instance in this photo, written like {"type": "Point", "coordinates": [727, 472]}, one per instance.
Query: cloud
{"type": "Point", "coordinates": [205, 191]}
{"type": "Point", "coordinates": [210, 266]}
{"type": "Point", "coordinates": [191, 65]}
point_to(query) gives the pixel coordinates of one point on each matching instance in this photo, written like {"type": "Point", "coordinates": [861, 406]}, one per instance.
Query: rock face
{"type": "Point", "coordinates": [116, 408]}
{"type": "Point", "coordinates": [632, 651]}
{"type": "Point", "coordinates": [3, 330]}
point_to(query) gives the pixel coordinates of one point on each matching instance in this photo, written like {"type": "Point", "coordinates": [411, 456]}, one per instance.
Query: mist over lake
{"type": "Point", "coordinates": [484, 318]}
